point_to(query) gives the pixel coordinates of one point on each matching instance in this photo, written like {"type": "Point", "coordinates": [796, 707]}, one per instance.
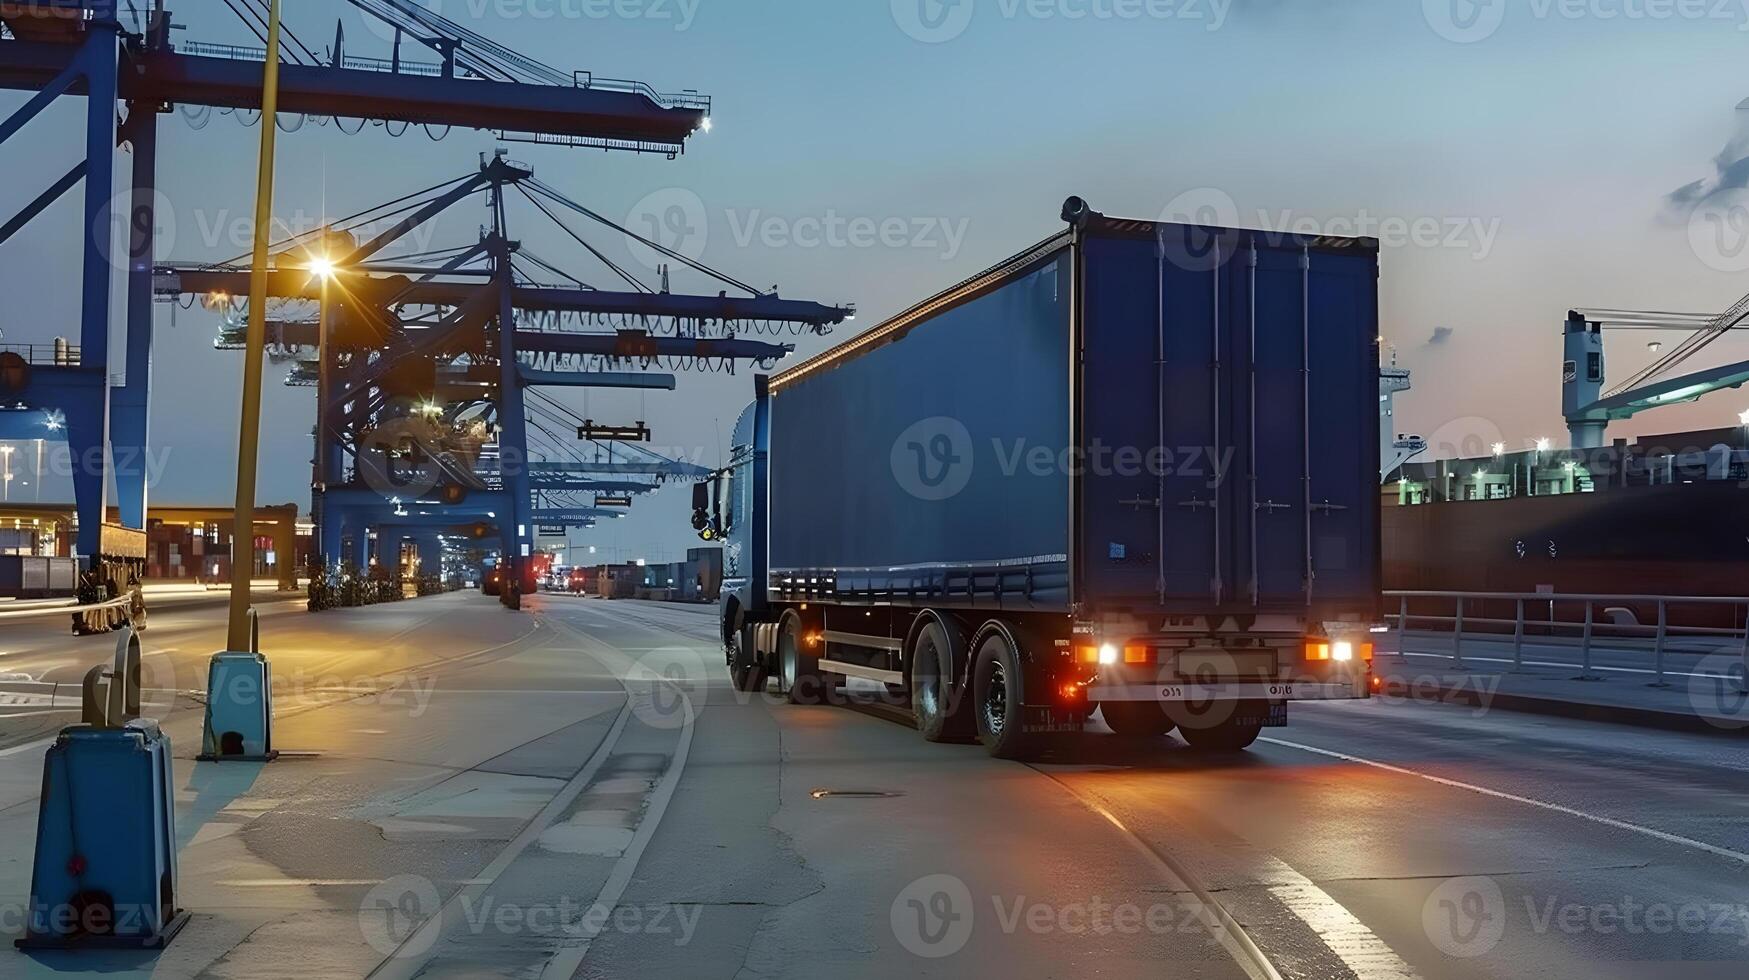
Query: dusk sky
{"type": "Point", "coordinates": [1529, 150]}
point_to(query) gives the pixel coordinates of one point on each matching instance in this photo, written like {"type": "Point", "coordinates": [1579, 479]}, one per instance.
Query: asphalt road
{"type": "Point", "coordinates": [577, 792]}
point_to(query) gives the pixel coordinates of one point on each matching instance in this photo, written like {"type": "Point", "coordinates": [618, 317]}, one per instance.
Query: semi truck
{"type": "Point", "coordinates": [1130, 472]}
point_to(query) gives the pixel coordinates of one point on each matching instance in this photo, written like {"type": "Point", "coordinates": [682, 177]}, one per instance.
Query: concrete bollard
{"type": "Point", "coordinates": [104, 874]}
{"type": "Point", "coordinates": [239, 705]}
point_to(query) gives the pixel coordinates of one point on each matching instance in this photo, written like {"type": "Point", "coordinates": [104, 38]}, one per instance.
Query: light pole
{"type": "Point", "coordinates": [249, 421]}
{"type": "Point", "coordinates": [6, 453]}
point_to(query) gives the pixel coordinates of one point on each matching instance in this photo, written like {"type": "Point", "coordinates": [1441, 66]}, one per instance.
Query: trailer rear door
{"type": "Point", "coordinates": [1228, 407]}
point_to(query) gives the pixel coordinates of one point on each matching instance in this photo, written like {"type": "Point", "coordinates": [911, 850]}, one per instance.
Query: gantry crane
{"type": "Point", "coordinates": [110, 53]}
{"type": "Point", "coordinates": [428, 365]}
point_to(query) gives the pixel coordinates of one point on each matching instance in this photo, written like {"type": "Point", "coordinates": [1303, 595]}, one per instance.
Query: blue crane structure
{"type": "Point", "coordinates": [112, 52]}
{"type": "Point", "coordinates": [1589, 409]}
{"type": "Point", "coordinates": [429, 365]}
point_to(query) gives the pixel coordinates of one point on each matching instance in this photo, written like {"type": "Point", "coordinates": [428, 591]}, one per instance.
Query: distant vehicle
{"type": "Point", "coordinates": [493, 582]}
{"type": "Point", "coordinates": [1132, 469]}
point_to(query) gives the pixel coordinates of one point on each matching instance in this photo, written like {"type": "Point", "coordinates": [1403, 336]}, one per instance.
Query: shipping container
{"type": "Point", "coordinates": [1132, 467]}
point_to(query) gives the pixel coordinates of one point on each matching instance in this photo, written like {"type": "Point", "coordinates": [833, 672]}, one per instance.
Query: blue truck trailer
{"type": "Point", "coordinates": [1132, 469]}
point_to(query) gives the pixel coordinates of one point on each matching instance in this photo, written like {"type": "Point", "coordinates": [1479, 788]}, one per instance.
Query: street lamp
{"type": "Point", "coordinates": [6, 454]}
{"type": "Point", "coordinates": [1744, 418]}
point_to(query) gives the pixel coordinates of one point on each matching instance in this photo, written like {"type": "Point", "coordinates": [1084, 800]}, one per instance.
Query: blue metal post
{"type": "Point", "coordinates": [132, 402]}
{"type": "Point", "coordinates": [98, 55]}
{"type": "Point", "coordinates": [514, 530]}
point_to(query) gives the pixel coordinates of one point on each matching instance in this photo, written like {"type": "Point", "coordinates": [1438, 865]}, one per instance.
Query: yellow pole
{"type": "Point", "coordinates": [249, 429]}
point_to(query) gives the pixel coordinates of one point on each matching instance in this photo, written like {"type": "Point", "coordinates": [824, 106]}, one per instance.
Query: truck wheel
{"type": "Point", "coordinates": [936, 702]}
{"type": "Point", "coordinates": [1230, 730]}
{"type": "Point", "coordinates": [1136, 719]}
{"type": "Point", "coordinates": [746, 671]}
{"type": "Point", "coordinates": [999, 697]}
{"type": "Point", "coordinates": [798, 670]}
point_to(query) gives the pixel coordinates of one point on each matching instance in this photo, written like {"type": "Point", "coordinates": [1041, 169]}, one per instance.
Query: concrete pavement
{"type": "Point", "coordinates": [577, 792]}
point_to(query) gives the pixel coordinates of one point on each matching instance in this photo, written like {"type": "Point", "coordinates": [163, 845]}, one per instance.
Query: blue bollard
{"type": "Point", "coordinates": [239, 705]}
{"type": "Point", "coordinates": [105, 868]}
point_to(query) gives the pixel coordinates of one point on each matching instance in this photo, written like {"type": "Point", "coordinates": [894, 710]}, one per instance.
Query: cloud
{"type": "Point", "coordinates": [1440, 336]}
{"type": "Point", "coordinates": [1730, 170]}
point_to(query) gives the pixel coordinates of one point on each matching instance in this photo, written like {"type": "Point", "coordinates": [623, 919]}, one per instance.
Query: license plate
{"type": "Point", "coordinates": [1274, 691]}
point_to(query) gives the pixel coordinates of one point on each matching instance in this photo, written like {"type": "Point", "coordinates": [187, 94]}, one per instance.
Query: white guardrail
{"type": "Point", "coordinates": [1481, 609]}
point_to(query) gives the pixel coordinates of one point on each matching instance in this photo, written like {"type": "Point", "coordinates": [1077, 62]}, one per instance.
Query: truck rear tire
{"type": "Point", "coordinates": [1231, 729]}
{"type": "Point", "coordinates": [999, 696]}
{"type": "Point", "coordinates": [1137, 719]}
{"type": "Point", "coordinates": [937, 704]}
{"type": "Point", "coordinates": [746, 671]}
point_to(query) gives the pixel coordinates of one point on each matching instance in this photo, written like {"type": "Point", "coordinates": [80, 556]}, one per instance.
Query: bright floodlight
{"type": "Point", "coordinates": [321, 267]}
{"type": "Point", "coordinates": [1499, 449]}
{"type": "Point", "coordinates": [706, 124]}
{"type": "Point", "coordinates": [1542, 445]}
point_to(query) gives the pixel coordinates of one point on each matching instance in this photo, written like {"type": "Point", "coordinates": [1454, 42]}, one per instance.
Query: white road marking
{"type": "Point", "coordinates": [1193, 898]}
{"type": "Point", "coordinates": [1664, 836]}
{"type": "Point", "coordinates": [404, 964]}
{"type": "Point", "coordinates": [1358, 947]}
{"type": "Point", "coordinates": [569, 958]}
